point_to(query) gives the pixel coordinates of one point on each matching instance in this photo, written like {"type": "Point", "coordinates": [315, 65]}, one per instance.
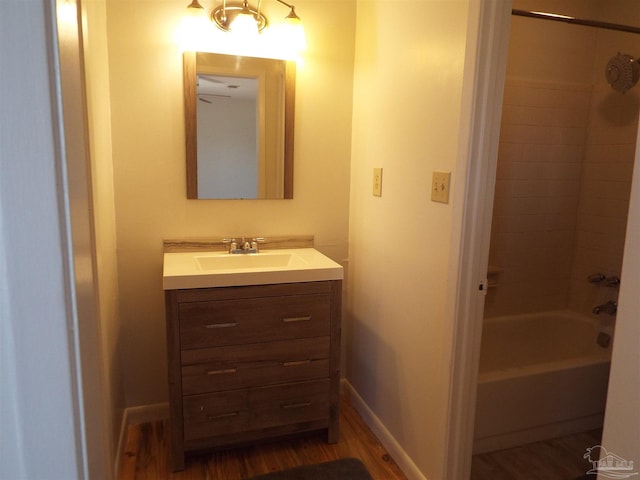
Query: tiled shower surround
{"type": "Point", "coordinates": [562, 190]}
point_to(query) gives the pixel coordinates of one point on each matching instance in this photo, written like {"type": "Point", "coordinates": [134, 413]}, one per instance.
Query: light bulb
{"type": "Point", "coordinates": [244, 23]}
{"type": "Point", "coordinates": [295, 32]}
{"type": "Point", "coordinates": [193, 29]}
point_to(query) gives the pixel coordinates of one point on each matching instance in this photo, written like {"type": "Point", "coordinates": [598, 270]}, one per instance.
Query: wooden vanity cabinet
{"type": "Point", "coordinates": [252, 363]}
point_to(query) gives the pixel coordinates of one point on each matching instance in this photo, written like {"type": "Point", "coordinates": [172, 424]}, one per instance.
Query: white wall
{"type": "Point", "coordinates": [227, 148]}
{"type": "Point", "coordinates": [407, 100]}
{"type": "Point", "coordinates": [38, 439]}
{"type": "Point", "coordinates": [149, 165]}
{"type": "Point", "coordinates": [622, 423]}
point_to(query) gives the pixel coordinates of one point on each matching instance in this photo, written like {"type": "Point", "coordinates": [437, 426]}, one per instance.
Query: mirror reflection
{"type": "Point", "coordinates": [227, 113]}
{"type": "Point", "coordinates": [239, 126]}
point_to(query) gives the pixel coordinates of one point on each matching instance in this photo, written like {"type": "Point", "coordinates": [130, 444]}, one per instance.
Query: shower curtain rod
{"type": "Point", "coordinates": [576, 21]}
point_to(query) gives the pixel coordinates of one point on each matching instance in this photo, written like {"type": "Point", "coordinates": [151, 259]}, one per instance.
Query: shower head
{"type": "Point", "coordinates": [622, 72]}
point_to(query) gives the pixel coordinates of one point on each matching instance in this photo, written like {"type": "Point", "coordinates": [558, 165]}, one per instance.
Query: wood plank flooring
{"type": "Point", "coordinates": [555, 459]}
{"type": "Point", "coordinates": [146, 454]}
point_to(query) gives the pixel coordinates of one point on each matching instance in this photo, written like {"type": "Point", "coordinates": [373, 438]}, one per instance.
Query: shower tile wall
{"type": "Point", "coordinates": [540, 162]}
{"type": "Point", "coordinates": [562, 190]}
{"type": "Point", "coordinates": [604, 200]}
{"type": "Point", "coordinates": [565, 159]}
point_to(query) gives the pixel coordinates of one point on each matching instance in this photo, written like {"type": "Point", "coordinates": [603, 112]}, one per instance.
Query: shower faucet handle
{"type": "Point", "coordinates": [613, 282]}
{"type": "Point", "coordinates": [596, 277]}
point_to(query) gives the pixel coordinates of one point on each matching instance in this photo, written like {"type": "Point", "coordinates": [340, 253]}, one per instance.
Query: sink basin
{"type": "Point", "coordinates": [240, 261]}
{"type": "Point", "coordinates": [221, 269]}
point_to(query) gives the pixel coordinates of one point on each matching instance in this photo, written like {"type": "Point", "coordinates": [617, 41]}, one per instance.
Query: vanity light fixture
{"type": "Point", "coordinates": [244, 20]}
{"type": "Point", "coordinates": [242, 16]}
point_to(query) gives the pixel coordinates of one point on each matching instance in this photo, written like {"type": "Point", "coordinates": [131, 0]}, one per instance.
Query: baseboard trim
{"type": "Point", "coordinates": [386, 438]}
{"type": "Point", "coordinates": [133, 416]}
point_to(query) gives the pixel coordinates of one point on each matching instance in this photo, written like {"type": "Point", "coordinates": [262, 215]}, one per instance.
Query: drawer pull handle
{"type": "Point", "coordinates": [296, 363]}
{"type": "Point", "coordinates": [288, 406]}
{"type": "Point", "coordinates": [222, 415]}
{"type": "Point", "coordinates": [218, 372]}
{"type": "Point", "coordinates": [221, 325]}
{"type": "Point", "coordinates": [305, 318]}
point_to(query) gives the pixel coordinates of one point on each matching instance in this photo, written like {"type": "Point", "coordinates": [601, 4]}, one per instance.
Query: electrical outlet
{"type": "Point", "coordinates": [377, 182]}
{"type": "Point", "coordinates": [440, 187]}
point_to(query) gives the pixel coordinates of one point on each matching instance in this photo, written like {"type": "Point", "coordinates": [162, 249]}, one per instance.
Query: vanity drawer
{"type": "Point", "coordinates": [252, 365]}
{"type": "Point", "coordinates": [252, 320]}
{"type": "Point", "coordinates": [235, 411]}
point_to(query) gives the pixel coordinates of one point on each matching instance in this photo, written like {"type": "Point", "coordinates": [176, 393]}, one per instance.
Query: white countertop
{"type": "Point", "coordinates": [221, 269]}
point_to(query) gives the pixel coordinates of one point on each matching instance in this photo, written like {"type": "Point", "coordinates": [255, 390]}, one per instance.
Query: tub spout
{"type": "Point", "coordinates": [610, 307]}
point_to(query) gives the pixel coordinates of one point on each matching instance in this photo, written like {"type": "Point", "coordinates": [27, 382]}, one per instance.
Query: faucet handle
{"type": "Point", "coordinates": [254, 243]}
{"type": "Point", "coordinates": [613, 282]}
{"type": "Point", "coordinates": [233, 244]}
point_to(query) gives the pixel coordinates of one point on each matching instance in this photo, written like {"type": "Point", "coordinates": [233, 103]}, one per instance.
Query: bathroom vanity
{"type": "Point", "coordinates": [253, 347]}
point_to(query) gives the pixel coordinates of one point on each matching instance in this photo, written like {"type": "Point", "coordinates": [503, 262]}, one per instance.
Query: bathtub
{"type": "Point", "coordinates": [541, 376]}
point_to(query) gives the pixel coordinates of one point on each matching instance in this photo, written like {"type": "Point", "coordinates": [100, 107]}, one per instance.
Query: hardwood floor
{"type": "Point", "coordinates": [146, 454]}
{"type": "Point", "coordinates": [555, 459]}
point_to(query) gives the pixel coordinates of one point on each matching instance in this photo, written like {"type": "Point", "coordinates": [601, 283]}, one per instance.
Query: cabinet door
{"type": "Point", "coordinates": [253, 320]}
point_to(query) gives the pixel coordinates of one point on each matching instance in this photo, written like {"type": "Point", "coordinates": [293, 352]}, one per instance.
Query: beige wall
{"type": "Point", "coordinates": [564, 165]}
{"type": "Point", "coordinates": [149, 165]}
{"type": "Point", "coordinates": [407, 99]}
{"type": "Point", "coordinates": [99, 121]}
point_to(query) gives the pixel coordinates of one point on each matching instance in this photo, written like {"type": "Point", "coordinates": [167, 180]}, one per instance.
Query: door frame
{"type": "Point", "coordinates": [483, 88]}
{"type": "Point", "coordinates": [484, 76]}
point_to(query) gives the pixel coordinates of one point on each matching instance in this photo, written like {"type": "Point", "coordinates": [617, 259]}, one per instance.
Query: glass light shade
{"type": "Point", "coordinates": [193, 29]}
{"type": "Point", "coordinates": [244, 24]}
{"type": "Point", "coordinates": [295, 33]}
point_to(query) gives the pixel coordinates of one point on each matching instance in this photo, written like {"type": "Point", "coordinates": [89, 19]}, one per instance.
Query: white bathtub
{"type": "Point", "coordinates": [541, 375]}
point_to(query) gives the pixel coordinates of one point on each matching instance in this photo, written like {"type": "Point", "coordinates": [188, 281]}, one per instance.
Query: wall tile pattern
{"type": "Point", "coordinates": [562, 191]}
{"type": "Point", "coordinates": [604, 197]}
{"type": "Point", "coordinates": [540, 165]}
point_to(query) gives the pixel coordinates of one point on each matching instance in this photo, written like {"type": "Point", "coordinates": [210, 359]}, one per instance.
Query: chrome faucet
{"type": "Point", "coordinates": [610, 308]}
{"type": "Point", "coordinates": [243, 246]}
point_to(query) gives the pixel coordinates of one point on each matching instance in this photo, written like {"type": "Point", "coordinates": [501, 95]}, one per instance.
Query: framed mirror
{"type": "Point", "coordinates": [239, 117]}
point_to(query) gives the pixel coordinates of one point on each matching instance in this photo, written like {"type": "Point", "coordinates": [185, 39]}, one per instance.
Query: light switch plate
{"type": "Point", "coordinates": [377, 182]}
{"type": "Point", "coordinates": [440, 186]}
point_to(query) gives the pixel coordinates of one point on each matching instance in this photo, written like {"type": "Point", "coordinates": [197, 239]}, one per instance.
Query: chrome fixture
{"type": "Point", "coordinates": [613, 281]}
{"type": "Point", "coordinates": [622, 72]}
{"type": "Point", "coordinates": [610, 308]}
{"type": "Point", "coordinates": [239, 16]}
{"type": "Point", "coordinates": [242, 16]}
{"type": "Point", "coordinates": [246, 21]}
{"type": "Point", "coordinates": [244, 246]}
{"type": "Point", "coordinates": [576, 21]}
{"type": "Point", "coordinates": [604, 339]}
{"type": "Point", "coordinates": [194, 6]}
{"type": "Point", "coordinates": [596, 278]}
